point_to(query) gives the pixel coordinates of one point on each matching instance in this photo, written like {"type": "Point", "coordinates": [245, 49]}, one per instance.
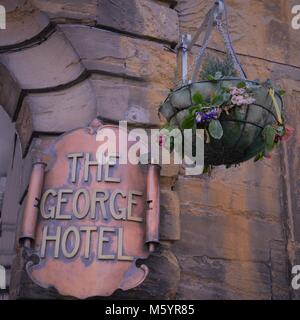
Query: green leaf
{"type": "Point", "coordinates": [218, 100]}
{"type": "Point", "coordinates": [211, 78]}
{"type": "Point", "coordinates": [241, 85]}
{"type": "Point", "coordinates": [259, 157]}
{"type": "Point", "coordinates": [198, 98]}
{"type": "Point", "coordinates": [276, 106]}
{"type": "Point", "coordinates": [269, 134]}
{"type": "Point", "coordinates": [194, 109]}
{"type": "Point", "coordinates": [215, 129]}
{"type": "Point", "coordinates": [188, 122]}
{"type": "Point", "coordinates": [281, 92]}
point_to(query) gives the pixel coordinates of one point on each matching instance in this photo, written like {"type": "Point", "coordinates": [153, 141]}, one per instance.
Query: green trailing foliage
{"type": "Point", "coordinates": [215, 69]}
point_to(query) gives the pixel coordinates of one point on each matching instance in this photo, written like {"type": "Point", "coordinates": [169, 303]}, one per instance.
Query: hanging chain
{"type": "Point", "coordinates": [229, 48]}
{"type": "Point", "coordinates": [214, 17]}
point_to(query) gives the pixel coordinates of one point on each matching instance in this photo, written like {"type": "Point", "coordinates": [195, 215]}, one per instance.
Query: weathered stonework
{"type": "Point", "coordinates": [67, 73]}
{"type": "Point", "coordinates": [141, 17]}
{"type": "Point", "coordinates": [234, 235]}
{"type": "Point", "coordinates": [240, 226]}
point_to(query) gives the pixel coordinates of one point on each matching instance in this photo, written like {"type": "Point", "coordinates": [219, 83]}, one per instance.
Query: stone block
{"type": "Point", "coordinates": [279, 271]}
{"type": "Point", "coordinates": [235, 192]}
{"type": "Point", "coordinates": [61, 10]}
{"type": "Point", "coordinates": [7, 240]}
{"type": "Point", "coordinates": [122, 56]}
{"type": "Point", "coordinates": [24, 126]}
{"type": "Point", "coordinates": [229, 237]}
{"type": "Point", "coordinates": [120, 100]}
{"type": "Point", "coordinates": [170, 215]}
{"type": "Point", "coordinates": [258, 28]}
{"type": "Point", "coordinates": [15, 32]}
{"type": "Point", "coordinates": [63, 110]}
{"type": "Point", "coordinates": [10, 91]}
{"type": "Point", "coordinates": [140, 17]}
{"type": "Point", "coordinates": [50, 64]}
{"type": "Point", "coordinates": [208, 278]}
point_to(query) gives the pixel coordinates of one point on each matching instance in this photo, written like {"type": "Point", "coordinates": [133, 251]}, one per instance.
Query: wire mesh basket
{"type": "Point", "coordinates": [243, 128]}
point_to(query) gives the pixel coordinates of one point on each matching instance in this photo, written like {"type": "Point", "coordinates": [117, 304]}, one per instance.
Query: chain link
{"type": "Point", "coordinates": [222, 28]}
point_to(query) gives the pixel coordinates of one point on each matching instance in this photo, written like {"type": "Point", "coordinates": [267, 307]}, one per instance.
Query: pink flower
{"type": "Point", "coordinates": [250, 100]}
{"type": "Point", "coordinates": [288, 133]}
{"type": "Point", "coordinates": [234, 100]}
{"type": "Point", "coordinates": [240, 100]}
{"type": "Point", "coordinates": [268, 156]}
{"type": "Point", "coordinates": [234, 91]}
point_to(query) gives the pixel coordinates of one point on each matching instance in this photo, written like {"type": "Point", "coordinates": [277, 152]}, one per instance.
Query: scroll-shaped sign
{"type": "Point", "coordinates": [89, 222]}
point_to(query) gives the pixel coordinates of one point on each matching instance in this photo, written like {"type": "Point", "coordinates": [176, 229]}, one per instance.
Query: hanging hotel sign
{"type": "Point", "coordinates": [89, 222]}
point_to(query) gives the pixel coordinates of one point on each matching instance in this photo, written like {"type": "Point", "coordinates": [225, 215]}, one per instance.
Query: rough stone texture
{"type": "Point", "coordinates": [170, 216]}
{"type": "Point", "coordinates": [7, 244]}
{"type": "Point", "coordinates": [141, 17]}
{"type": "Point", "coordinates": [15, 32]}
{"type": "Point", "coordinates": [292, 174]}
{"type": "Point", "coordinates": [10, 209]}
{"type": "Point", "coordinates": [10, 91]}
{"type": "Point", "coordinates": [63, 110]}
{"type": "Point", "coordinates": [84, 11]}
{"type": "Point", "coordinates": [127, 101]}
{"type": "Point", "coordinates": [2, 190]}
{"type": "Point", "coordinates": [24, 126]}
{"type": "Point", "coordinates": [119, 55]}
{"type": "Point", "coordinates": [279, 271]}
{"type": "Point", "coordinates": [13, 184]}
{"type": "Point", "coordinates": [240, 226]}
{"type": "Point", "coordinates": [230, 237]}
{"type": "Point", "coordinates": [41, 67]}
{"type": "Point", "coordinates": [203, 277]}
{"type": "Point", "coordinates": [247, 191]}
{"type": "Point", "coordinates": [158, 285]}
{"type": "Point", "coordinates": [258, 28]}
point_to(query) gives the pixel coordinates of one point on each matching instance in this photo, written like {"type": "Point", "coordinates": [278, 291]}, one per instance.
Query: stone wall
{"type": "Point", "coordinates": [63, 63]}
{"type": "Point", "coordinates": [240, 227]}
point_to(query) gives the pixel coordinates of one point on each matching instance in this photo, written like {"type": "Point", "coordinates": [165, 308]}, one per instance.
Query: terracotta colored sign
{"type": "Point", "coordinates": [89, 222]}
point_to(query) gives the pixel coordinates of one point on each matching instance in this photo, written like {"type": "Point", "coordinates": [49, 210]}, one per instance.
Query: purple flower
{"type": "Point", "coordinates": [199, 117]}
{"type": "Point", "coordinates": [202, 117]}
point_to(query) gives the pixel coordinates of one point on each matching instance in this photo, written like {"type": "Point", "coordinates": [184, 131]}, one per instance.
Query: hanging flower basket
{"type": "Point", "coordinates": [242, 119]}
